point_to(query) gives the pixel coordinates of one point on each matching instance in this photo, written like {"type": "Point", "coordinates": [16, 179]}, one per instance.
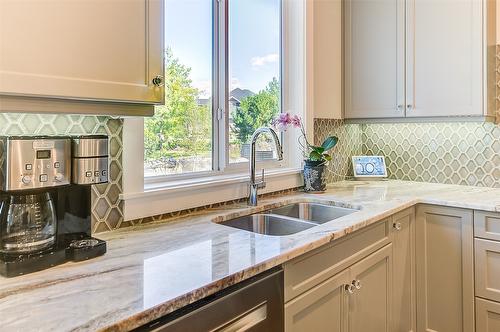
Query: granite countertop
{"type": "Point", "coordinates": [152, 270]}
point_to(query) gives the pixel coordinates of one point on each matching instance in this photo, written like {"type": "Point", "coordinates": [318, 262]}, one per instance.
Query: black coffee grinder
{"type": "Point", "coordinates": [45, 200]}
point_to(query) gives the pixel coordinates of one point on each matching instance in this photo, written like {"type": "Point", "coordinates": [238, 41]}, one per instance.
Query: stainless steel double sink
{"type": "Point", "coordinates": [288, 219]}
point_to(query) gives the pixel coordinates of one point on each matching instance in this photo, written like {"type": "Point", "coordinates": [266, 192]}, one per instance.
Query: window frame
{"type": "Point", "coordinates": [220, 103]}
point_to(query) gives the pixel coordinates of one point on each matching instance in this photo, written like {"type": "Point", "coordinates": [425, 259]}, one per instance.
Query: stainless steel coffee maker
{"type": "Point", "coordinates": [45, 200]}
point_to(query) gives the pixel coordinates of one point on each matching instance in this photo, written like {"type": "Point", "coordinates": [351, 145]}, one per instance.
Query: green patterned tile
{"type": "Point", "coordinates": [458, 153]}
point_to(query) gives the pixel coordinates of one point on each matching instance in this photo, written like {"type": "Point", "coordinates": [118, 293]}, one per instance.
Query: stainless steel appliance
{"type": "Point", "coordinates": [90, 159]}
{"type": "Point", "coordinates": [44, 218]}
{"type": "Point", "coordinates": [256, 304]}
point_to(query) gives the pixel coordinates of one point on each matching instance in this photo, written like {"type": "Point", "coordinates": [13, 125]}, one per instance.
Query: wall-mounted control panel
{"type": "Point", "coordinates": [90, 159]}
{"type": "Point", "coordinates": [34, 162]}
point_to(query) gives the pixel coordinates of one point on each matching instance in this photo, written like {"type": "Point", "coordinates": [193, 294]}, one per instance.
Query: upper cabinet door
{"type": "Point", "coordinates": [82, 49]}
{"type": "Point", "coordinates": [374, 58]}
{"type": "Point", "coordinates": [445, 58]}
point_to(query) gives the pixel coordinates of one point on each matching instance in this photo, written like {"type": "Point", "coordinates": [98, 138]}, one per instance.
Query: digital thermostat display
{"type": "Point", "coordinates": [42, 154]}
{"type": "Point", "coordinates": [369, 166]}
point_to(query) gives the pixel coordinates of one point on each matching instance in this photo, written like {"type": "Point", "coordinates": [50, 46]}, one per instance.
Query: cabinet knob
{"type": "Point", "coordinates": [409, 106]}
{"type": "Point", "coordinates": [349, 288]}
{"type": "Point", "coordinates": [400, 107]}
{"type": "Point", "coordinates": [158, 81]}
{"type": "Point", "coordinates": [356, 284]}
{"type": "Point", "coordinates": [397, 226]}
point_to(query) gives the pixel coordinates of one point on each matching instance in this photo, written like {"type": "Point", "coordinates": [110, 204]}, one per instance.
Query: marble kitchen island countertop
{"type": "Point", "coordinates": [152, 270]}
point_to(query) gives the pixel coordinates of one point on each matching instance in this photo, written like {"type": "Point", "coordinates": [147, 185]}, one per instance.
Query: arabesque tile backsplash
{"type": "Point", "coordinates": [455, 153]}
{"type": "Point", "coordinates": [465, 153]}
{"type": "Point", "coordinates": [349, 144]}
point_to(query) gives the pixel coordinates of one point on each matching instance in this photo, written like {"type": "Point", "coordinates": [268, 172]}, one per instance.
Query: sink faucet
{"type": "Point", "coordinates": [254, 186]}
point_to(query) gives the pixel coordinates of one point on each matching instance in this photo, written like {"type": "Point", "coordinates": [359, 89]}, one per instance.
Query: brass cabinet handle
{"type": "Point", "coordinates": [158, 81]}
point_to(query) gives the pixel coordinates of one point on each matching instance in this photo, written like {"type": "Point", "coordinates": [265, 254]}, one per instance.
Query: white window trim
{"type": "Point", "coordinates": [144, 199]}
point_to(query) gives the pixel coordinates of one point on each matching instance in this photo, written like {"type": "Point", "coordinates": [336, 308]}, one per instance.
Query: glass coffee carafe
{"type": "Point", "coordinates": [27, 223]}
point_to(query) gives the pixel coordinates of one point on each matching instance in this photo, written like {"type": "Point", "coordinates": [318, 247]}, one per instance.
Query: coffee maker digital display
{"type": "Point", "coordinates": [43, 154]}
{"type": "Point", "coordinates": [45, 208]}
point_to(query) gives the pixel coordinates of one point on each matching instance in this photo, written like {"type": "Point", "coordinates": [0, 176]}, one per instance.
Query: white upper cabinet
{"type": "Point", "coordinates": [445, 64]}
{"type": "Point", "coordinates": [374, 58]}
{"type": "Point", "coordinates": [99, 50]}
{"type": "Point", "coordinates": [419, 58]}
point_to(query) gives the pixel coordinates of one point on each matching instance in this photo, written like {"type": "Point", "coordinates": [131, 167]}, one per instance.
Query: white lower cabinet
{"type": "Point", "coordinates": [487, 270]}
{"type": "Point", "coordinates": [357, 299]}
{"type": "Point", "coordinates": [487, 266]}
{"type": "Point", "coordinates": [363, 282]}
{"type": "Point", "coordinates": [322, 308]}
{"type": "Point", "coordinates": [370, 304]}
{"type": "Point", "coordinates": [403, 284]}
{"type": "Point", "coordinates": [411, 272]}
{"type": "Point", "coordinates": [487, 316]}
{"type": "Point", "coordinates": [444, 269]}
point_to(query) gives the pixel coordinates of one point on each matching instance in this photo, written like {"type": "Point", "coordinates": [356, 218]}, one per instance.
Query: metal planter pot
{"type": "Point", "coordinates": [314, 176]}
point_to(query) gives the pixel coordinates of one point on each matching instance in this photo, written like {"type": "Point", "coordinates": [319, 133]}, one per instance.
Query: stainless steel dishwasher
{"type": "Point", "coordinates": [255, 304]}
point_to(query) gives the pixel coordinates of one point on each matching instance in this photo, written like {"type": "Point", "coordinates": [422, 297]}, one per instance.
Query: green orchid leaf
{"type": "Point", "coordinates": [327, 156]}
{"type": "Point", "coordinates": [318, 149]}
{"type": "Point", "coordinates": [315, 156]}
{"type": "Point", "coordinates": [329, 143]}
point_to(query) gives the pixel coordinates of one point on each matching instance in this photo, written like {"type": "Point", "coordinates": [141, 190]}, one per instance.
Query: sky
{"type": "Point", "coordinates": [253, 41]}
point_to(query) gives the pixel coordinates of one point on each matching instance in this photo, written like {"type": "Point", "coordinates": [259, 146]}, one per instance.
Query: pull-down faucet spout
{"type": "Point", "coordinates": [254, 186]}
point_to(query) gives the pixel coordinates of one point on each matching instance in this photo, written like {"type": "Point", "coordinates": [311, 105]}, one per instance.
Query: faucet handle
{"type": "Point", "coordinates": [262, 183]}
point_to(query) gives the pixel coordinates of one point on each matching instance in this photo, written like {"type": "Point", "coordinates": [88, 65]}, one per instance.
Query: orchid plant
{"type": "Point", "coordinates": [313, 153]}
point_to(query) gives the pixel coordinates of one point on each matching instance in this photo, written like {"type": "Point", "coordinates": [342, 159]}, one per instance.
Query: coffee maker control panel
{"type": "Point", "coordinates": [34, 162]}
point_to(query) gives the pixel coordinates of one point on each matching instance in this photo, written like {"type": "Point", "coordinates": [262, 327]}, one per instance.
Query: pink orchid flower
{"type": "Point", "coordinates": [284, 120]}
{"type": "Point", "coordinates": [296, 121]}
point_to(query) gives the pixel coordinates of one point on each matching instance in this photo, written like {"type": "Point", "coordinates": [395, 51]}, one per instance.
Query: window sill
{"type": "Point", "coordinates": [164, 197]}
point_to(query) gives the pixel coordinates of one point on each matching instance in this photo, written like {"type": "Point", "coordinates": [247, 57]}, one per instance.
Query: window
{"type": "Point", "coordinates": [197, 130]}
{"type": "Point", "coordinates": [178, 139]}
{"type": "Point", "coordinates": [254, 97]}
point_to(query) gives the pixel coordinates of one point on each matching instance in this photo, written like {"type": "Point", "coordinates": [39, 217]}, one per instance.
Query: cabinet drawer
{"type": "Point", "coordinates": [487, 316]}
{"type": "Point", "coordinates": [487, 254]}
{"type": "Point", "coordinates": [487, 225]}
{"type": "Point", "coordinates": [310, 269]}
